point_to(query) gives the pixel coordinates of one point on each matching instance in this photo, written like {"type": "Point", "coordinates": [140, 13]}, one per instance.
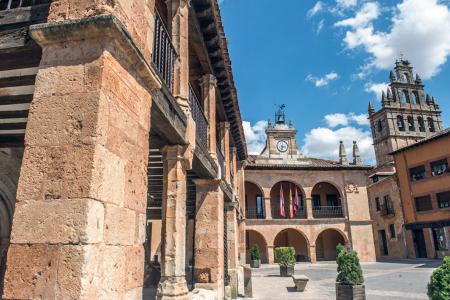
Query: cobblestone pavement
{"type": "Point", "coordinates": [399, 280]}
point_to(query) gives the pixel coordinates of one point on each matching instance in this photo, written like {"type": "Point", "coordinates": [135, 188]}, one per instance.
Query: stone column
{"type": "Point", "coordinates": [225, 128]}
{"type": "Point", "coordinates": [410, 244]}
{"type": "Point", "coordinates": [232, 242]}
{"type": "Point", "coordinates": [309, 208]}
{"type": "Point", "coordinates": [179, 12]}
{"type": "Point", "coordinates": [429, 242]}
{"type": "Point", "coordinates": [176, 161]}
{"type": "Point", "coordinates": [209, 236]}
{"type": "Point", "coordinates": [234, 168]}
{"type": "Point", "coordinates": [312, 253]}
{"type": "Point", "coordinates": [79, 222]}
{"type": "Point", "coordinates": [208, 84]}
{"type": "Point", "coordinates": [270, 254]}
{"type": "Point", "coordinates": [268, 208]}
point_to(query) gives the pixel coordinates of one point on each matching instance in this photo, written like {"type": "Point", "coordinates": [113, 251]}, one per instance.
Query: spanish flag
{"type": "Point", "coordinates": [291, 208]}
{"type": "Point", "coordinates": [282, 212]}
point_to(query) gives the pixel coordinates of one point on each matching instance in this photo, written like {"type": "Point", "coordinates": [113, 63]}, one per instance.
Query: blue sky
{"type": "Point", "coordinates": [326, 59]}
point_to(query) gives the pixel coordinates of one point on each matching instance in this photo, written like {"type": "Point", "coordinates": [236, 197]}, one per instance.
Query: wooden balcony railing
{"type": "Point", "coordinates": [164, 54]}
{"type": "Point", "coordinates": [327, 212]}
{"type": "Point", "coordinates": [201, 123]}
{"type": "Point", "coordinates": [13, 4]}
{"type": "Point", "coordinates": [254, 214]}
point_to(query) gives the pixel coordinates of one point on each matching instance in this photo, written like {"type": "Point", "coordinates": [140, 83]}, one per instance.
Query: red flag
{"type": "Point", "coordinates": [296, 201]}
{"type": "Point", "coordinates": [291, 210]}
{"type": "Point", "coordinates": [282, 213]}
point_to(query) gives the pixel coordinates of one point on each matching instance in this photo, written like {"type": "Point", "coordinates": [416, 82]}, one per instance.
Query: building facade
{"type": "Point", "coordinates": [407, 115]}
{"type": "Point", "coordinates": [424, 181]}
{"type": "Point", "coordinates": [121, 151]}
{"type": "Point", "coordinates": [332, 204]}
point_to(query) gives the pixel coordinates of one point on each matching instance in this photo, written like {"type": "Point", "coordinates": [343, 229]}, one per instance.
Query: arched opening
{"type": "Point", "coordinates": [326, 244]}
{"type": "Point", "coordinates": [287, 201]}
{"type": "Point", "coordinates": [411, 125]}
{"type": "Point", "coordinates": [255, 238]}
{"type": "Point", "coordinates": [431, 126]}
{"type": "Point", "coordinates": [400, 123]}
{"type": "Point", "coordinates": [293, 238]}
{"type": "Point", "coordinates": [421, 124]}
{"type": "Point", "coordinates": [405, 97]}
{"type": "Point", "coordinates": [416, 97]}
{"type": "Point", "coordinates": [327, 201]}
{"type": "Point", "coordinates": [254, 201]}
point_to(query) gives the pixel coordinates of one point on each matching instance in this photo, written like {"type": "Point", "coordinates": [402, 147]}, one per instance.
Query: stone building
{"type": "Point", "coordinates": [122, 119]}
{"type": "Point", "coordinates": [407, 115]}
{"type": "Point", "coordinates": [424, 182]}
{"type": "Point", "coordinates": [332, 200]}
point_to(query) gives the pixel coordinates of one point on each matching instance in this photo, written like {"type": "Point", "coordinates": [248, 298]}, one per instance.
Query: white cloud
{"type": "Point", "coordinates": [334, 120]}
{"type": "Point", "coordinates": [320, 26]}
{"type": "Point", "coordinates": [255, 136]}
{"type": "Point", "coordinates": [376, 88]}
{"type": "Point", "coordinates": [324, 143]}
{"type": "Point", "coordinates": [322, 81]}
{"type": "Point", "coordinates": [318, 7]}
{"type": "Point", "coordinates": [420, 30]}
{"type": "Point", "coordinates": [362, 119]}
{"type": "Point", "coordinates": [346, 3]}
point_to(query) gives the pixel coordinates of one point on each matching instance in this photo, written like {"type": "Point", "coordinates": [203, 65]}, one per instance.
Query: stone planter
{"type": "Point", "coordinates": [255, 263]}
{"type": "Point", "coordinates": [286, 271]}
{"type": "Point", "coordinates": [350, 292]}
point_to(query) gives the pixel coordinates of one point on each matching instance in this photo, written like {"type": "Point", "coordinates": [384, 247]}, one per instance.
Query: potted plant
{"type": "Point", "coordinates": [285, 257]}
{"type": "Point", "coordinates": [439, 286]}
{"type": "Point", "coordinates": [255, 258]}
{"type": "Point", "coordinates": [339, 249]}
{"type": "Point", "coordinates": [349, 281]}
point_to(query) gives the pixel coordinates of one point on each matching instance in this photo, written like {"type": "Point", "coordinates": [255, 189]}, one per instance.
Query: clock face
{"type": "Point", "coordinates": [282, 146]}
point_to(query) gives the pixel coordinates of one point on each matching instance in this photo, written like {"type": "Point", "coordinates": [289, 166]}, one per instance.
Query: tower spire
{"type": "Point", "coordinates": [371, 109]}
{"type": "Point", "coordinates": [342, 154]}
{"type": "Point", "coordinates": [356, 154]}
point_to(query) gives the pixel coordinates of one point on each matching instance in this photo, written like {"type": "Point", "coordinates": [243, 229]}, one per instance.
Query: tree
{"type": "Point", "coordinates": [254, 253]}
{"type": "Point", "coordinates": [349, 269]}
{"type": "Point", "coordinates": [439, 286]}
{"type": "Point", "coordinates": [285, 256]}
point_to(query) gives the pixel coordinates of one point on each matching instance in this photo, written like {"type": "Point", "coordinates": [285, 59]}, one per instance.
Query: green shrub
{"type": "Point", "coordinates": [439, 286]}
{"type": "Point", "coordinates": [339, 249]}
{"type": "Point", "coordinates": [349, 269]}
{"type": "Point", "coordinates": [285, 256]}
{"type": "Point", "coordinates": [254, 253]}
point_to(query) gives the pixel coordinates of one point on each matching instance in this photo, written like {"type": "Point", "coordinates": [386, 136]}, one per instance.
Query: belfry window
{"type": "Point", "coordinates": [405, 96]}
{"type": "Point", "coordinates": [416, 97]}
{"type": "Point", "coordinates": [380, 125]}
{"type": "Point", "coordinates": [400, 123]}
{"type": "Point", "coordinates": [405, 78]}
{"type": "Point", "coordinates": [421, 124]}
{"type": "Point", "coordinates": [411, 125]}
{"type": "Point", "coordinates": [431, 127]}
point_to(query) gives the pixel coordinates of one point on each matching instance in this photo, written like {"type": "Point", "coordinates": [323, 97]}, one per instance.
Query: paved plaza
{"type": "Point", "coordinates": [399, 280]}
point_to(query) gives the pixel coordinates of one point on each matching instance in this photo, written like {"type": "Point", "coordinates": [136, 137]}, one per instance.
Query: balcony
{"type": "Point", "coordinates": [14, 4]}
{"type": "Point", "coordinates": [300, 214]}
{"type": "Point", "coordinates": [387, 209]}
{"type": "Point", "coordinates": [201, 123]}
{"type": "Point", "coordinates": [254, 214]}
{"type": "Point", "coordinates": [164, 54]}
{"type": "Point", "coordinates": [327, 212]}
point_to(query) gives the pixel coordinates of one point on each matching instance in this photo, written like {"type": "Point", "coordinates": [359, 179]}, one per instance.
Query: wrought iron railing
{"type": "Point", "coordinates": [221, 160]}
{"type": "Point", "coordinates": [201, 123]}
{"type": "Point", "coordinates": [254, 214]}
{"type": "Point", "coordinates": [164, 54]}
{"type": "Point", "coordinates": [13, 4]}
{"type": "Point", "coordinates": [325, 212]}
{"type": "Point", "coordinates": [387, 209]}
{"type": "Point", "coordinates": [300, 214]}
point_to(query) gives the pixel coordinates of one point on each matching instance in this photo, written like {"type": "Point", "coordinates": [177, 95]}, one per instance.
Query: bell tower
{"type": "Point", "coordinates": [281, 139]}
{"type": "Point", "coordinates": [407, 115]}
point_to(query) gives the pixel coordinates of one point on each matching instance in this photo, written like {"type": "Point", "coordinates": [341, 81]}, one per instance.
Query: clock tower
{"type": "Point", "coordinates": [281, 143]}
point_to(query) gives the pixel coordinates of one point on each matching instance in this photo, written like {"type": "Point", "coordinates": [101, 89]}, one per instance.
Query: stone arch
{"type": "Point", "coordinates": [253, 237]}
{"type": "Point", "coordinates": [291, 237]}
{"type": "Point", "coordinates": [254, 201]}
{"type": "Point", "coordinates": [287, 186]}
{"type": "Point", "coordinates": [326, 243]}
{"type": "Point", "coordinates": [327, 200]}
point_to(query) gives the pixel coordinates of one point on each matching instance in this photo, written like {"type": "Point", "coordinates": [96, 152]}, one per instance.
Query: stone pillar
{"type": "Point", "coordinates": [209, 236]}
{"type": "Point", "coordinates": [312, 254]}
{"type": "Point", "coordinates": [232, 242]}
{"type": "Point", "coordinates": [309, 208]}
{"type": "Point", "coordinates": [225, 128]}
{"type": "Point", "coordinates": [79, 223]}
{"type": "Point", "coordinates": [208, 84]}
{"type": "Point", "coordinates": [234, 168]}
{"type": "Point", "coordinates": [176, 161]}
{"type": "Point", "coordinates": [268, 208]}
{"type": "Point", "coordinates": [429, 242]}
{"type": "Point", "coordinates": [410, 244]}
{"type": "Point", "coordinates": [179, 11]}
{"type": "Point", "coordinates": [270, 254]}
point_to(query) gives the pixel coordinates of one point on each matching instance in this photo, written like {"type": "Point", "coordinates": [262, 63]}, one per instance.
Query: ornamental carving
{"type": "Point", "coordinates": [351, 188]}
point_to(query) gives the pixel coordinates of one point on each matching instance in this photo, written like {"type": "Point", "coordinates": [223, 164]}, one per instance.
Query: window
{"type": "Point", "coordinates": [416, 97]}
{"type": "Point", "coordinates": [405, 77]}
{"type": "Point", "coordinates": [259, 207]}
{"type": "Point", "coordinates": [417, 173]}
{"type": "Point", "coordinates": [392, 231]}
{"type": "Point", "coordinates": [440, 242]}
{"type": "Point", "coordinates": [332, 200]}
{"type": "Point", "coordinates": [431, 127]}
{"type": "Point", "coordinates": [443, 199]}
{"type": "Point", "coordinates": [439, 167]}
{"type": "Point", "coordinates": [423, 203]}
{"type": "Point", "coordinates": [421, 124]}
{"type": "Point", "coordinates": [316, 200]}
{"type": "Point", "coordinates": [380, 126]}
{"type": "Point", "coordinates": [377, 204]}
{"type": "Point", "coordinates": [411, 125]}
{"type": "Point", "coordinates": [405, 97]}
{"type": "Point", "coordinates": [400, 123]}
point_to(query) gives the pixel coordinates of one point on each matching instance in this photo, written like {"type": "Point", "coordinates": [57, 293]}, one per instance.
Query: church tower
{"type": "Point", "coordinates": [407, 115]}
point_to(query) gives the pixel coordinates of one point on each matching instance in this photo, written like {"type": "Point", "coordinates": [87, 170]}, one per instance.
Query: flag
{"type": "Point", "coordinates": [282, 213]}
{"type": "Point", "coordinates": [296, 201]}
{"type": "Point", "coordinates": [291, 209]}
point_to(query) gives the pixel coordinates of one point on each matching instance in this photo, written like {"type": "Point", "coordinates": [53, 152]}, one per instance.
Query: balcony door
{"type": "Point", "coordinates": [383, 242]}
{"type": "Point", "coordinates": [259, 207]}
{"type": "Point", "coordinates": [419, 244]}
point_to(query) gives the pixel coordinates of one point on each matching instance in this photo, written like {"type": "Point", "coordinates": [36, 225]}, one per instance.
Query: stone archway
{"type": "Point", "coordinates": [254, 201]}
{"type": "Point", "coordinates": [326, 243]}
{"type": "Point", "coordinates": [326, 201]}
{"type": "Point", "coordinates": [294, 238]}
{"type": "Point", "coordinates": [287, 187]}
{"type": "Point", "coordinates": [255, 238]}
